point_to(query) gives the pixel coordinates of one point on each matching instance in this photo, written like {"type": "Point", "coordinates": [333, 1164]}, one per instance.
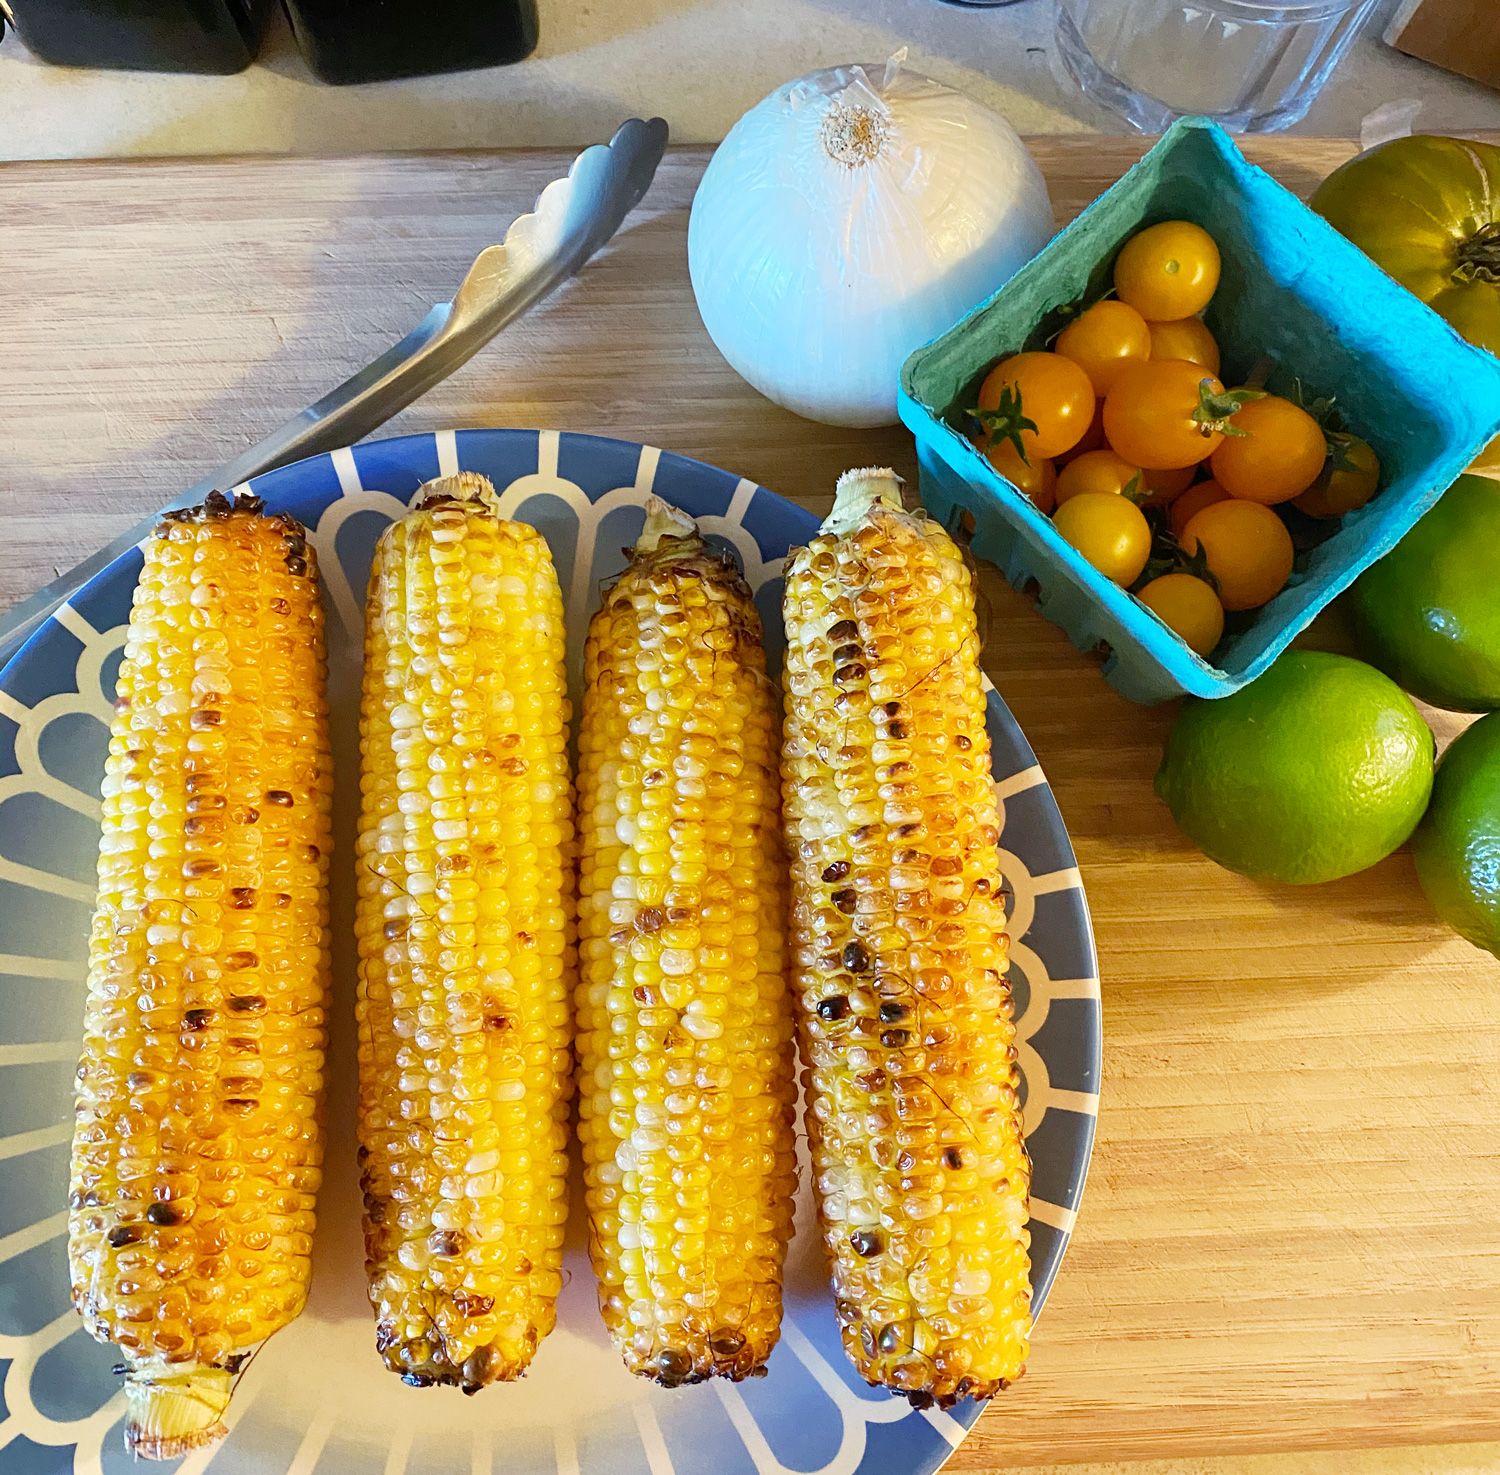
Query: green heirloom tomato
{"type": "Point", "coordinates": [1427, 210]}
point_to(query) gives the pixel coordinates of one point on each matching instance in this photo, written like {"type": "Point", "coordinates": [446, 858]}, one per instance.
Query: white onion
{"type": "Point", "coordinates": [849, 218]}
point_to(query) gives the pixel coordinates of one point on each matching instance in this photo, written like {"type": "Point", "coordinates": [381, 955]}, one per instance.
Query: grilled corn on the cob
{"type": "Point", "coordinates": [198, 1140]}
{"type": "Point", "coordinates": [465, 946]}
{"type": "Point", "coordinates": [684, 1020]}
{"type": "Point", "coordinates": [900, 953]}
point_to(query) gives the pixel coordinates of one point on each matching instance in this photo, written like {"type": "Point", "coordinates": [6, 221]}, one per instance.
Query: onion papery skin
{"type": "Point", "coordinates": [816, 276]}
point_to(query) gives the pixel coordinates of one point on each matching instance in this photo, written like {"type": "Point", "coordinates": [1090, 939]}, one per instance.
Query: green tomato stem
{"type": "Point", "coordinates": [1479, 256]}
{"type": "Point", "coordinates": [1338, 451]}
{"type": "Point", "coordinates": [1006, 422]}
{"type": "Point", "coordinates": [1215, 409]}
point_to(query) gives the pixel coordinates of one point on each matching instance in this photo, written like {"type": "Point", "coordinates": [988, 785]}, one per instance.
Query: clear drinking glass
{"type": "Point", "coordinates": [1252, 65]}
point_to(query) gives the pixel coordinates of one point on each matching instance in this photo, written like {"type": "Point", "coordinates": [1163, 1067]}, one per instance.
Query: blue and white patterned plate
{"type": "Point", "coordinates": [317, 1398]}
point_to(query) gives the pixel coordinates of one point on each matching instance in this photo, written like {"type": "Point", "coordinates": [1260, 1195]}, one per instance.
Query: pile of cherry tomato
{"type": "Point", "coordinates": [1125, 412]}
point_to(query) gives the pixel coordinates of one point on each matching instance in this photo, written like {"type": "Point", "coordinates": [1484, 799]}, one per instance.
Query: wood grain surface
{"type": "Point", "coordinates": [1460, 35]}
{"type": "Point", "coordinates": [1289, 1240]}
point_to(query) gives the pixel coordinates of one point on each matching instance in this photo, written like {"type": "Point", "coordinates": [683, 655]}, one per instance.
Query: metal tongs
{"type": "Point", "coordinates": [573, 218]}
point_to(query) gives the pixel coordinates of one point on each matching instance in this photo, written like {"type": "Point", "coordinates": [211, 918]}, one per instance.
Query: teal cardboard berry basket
{"type": "Point", "coordinates": [1291, 287]}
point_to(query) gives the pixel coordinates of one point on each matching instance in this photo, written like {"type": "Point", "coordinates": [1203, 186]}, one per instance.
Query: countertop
{"type": "Point", "coordinates": [699, 63]}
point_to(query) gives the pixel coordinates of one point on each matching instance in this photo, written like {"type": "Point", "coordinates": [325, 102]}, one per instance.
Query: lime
{"type": "Point", "coordinates": [1457, 845]}
{"type": "Point", "coordinates": [1314, 771]}
{"type": "Point", "coordinates": [1427, 615]}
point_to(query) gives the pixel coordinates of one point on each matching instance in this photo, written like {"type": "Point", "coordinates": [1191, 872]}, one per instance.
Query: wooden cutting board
{"type": "Point", "coordinates": [1289, 1239]}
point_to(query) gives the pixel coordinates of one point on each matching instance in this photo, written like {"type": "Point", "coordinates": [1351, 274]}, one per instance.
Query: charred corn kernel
{"type": "Point", "coordinates": [464, 932]}
{"type": "Point", "coordinates": [198, 1143]}
{"type": "Point", "coordinates": [685, 1033]}
{"type": "Point", "coordinates": [900, 952]}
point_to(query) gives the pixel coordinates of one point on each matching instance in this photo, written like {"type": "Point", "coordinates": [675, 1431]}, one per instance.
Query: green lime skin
{"type": "Point", "coordinates": [1319, 768]}
{"type": "Point", "coordinates": [1428, 614]}
{"type": "Point", "coordinates": [1457, 845]}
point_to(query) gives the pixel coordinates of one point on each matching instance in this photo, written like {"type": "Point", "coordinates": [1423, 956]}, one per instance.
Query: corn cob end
{"type": "Point", "coordinates": [730, 1355]}
{"type": "Point", "coordinates": [174, 1408]}
{"type": "Point", "coordinates": [464, 486]}
{"type": "Point", "coordinates": [664, 521]}
{"type": "Point", "coordinates": [426, 1363]}
{"type": "Point", "coordinates": [857, 492]}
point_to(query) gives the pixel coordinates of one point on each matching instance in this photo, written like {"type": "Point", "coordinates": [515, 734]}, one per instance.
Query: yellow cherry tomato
{"type": "Point", "coordinates": [1103, 339]}
{"type": "Point", "coordinates": [1188, 607]}
{"type": "Point", "coordinates": [1336, 492]}
{"type": "Point", "coordinates": [1185, 338]}
{"type": "Point", "coordinates": [1092, 439]}
{"type": "Point", "coordinates": [1168, 271]}
{"type": "Point", "coordinates": [1095, 471]}
{"type": "Point", "coordinates": [1198, 496]}
{"type": "Point", "coordinates": [1248, 548]}
{"type": "Point", "coordinates": [1038, 479]}
{"type": "Point", "coordinates": [1110, 531]}
{"type": "Point", "coordinates": [1053, 393]}
{"type": "Point", "coordinates": [1148, 415]}
{"type": "Point", "coordinates": [1277, 455]}
{"type": "Point", "coordinates": [1167, 485]}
